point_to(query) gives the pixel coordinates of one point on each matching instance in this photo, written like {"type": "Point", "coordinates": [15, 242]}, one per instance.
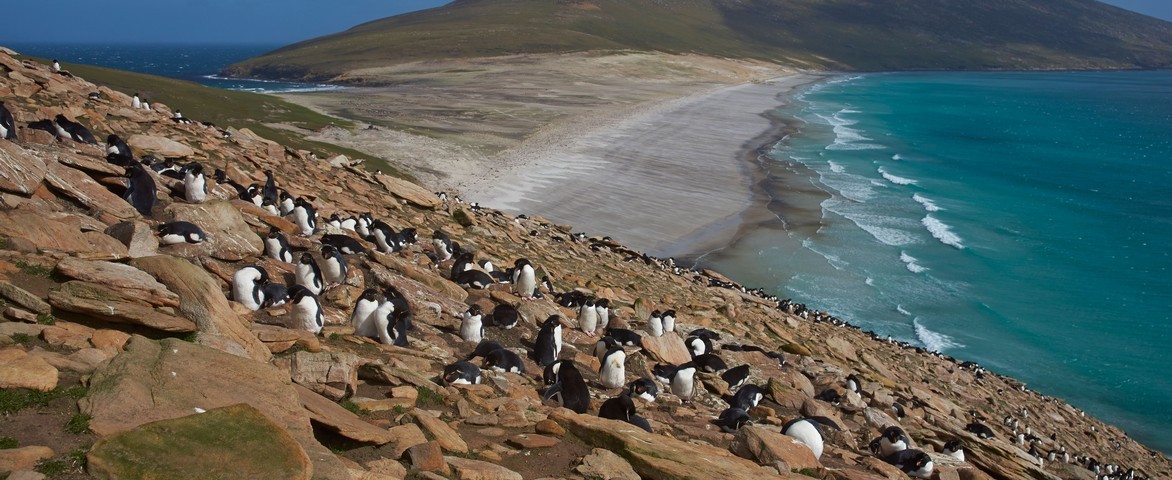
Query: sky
{"type": "Point", "coordinates": [268, 22]}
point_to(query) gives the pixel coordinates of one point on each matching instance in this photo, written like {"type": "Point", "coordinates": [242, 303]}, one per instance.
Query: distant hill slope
{"type": "Point", "coordinates": [830, 34]}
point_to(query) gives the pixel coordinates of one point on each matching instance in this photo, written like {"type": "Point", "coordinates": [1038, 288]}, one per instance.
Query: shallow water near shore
{"type": "Point", "coordinates": [1020, 220]}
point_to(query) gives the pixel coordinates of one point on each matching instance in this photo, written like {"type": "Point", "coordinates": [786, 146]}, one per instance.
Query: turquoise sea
{"type": "Point", "coordinates": [1019, 220]}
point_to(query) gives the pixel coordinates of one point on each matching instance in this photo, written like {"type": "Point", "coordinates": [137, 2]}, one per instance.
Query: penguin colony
{"type": "Point", "coordinates": [385, 315]}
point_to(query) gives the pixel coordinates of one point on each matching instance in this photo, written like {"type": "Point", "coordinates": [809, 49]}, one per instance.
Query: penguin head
{"type": "Point", "coordinates": [370, 295]}
{"type": "Point", "coordinates": [474, 310]}
{"type": "Point", "coordinates": [306, 258]}
{"type": "Point", "coordinates": [894, 434]}
{"type": "Point", "coordinates": [298, 293]}
{"type": "Point", "coordinates": [111, 139]}
{"type": "Point", "coordinates": [522, 263]}
{"type": "Point", "coordinates": [274, 232]}
{"type": "Point", "coordinates": [602, 303]}
{"type": "Point", "coordinates": [328, 251]}
{"type": "Point", "coordinates": [552, 322]}
{"type": "Point", "coordinates": [194, 168]}
{"type": "Point", "coordinates": [953, 446]}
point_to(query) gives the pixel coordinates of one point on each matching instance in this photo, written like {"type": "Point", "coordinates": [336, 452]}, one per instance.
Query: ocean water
{"type": "Point", "coordinates": [1020, 220]}
{"type": "Point", "coordinates": [196, 63]}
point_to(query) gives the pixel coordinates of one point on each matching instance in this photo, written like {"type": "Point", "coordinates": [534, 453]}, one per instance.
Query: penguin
{"type": "Point", "coordinates": [570, 389]}
{"type": "Point", "coordinates": [307, 312]}
{"type": "Point", "coordinates": [854, 384]}
{"type": "Point", "coordinates": [914, 463]}
{"type": "Point", "coordinates": [613, 373]}
{"type": "Point", "coordinates": [547, 284]}
{"type": "Point", "coordinates": [365, 220]}
{"type": "Point", "coordinates": [588, 317]}
{"type": "Point", "coordinates": [136, 102]}
{"type": "Point", "coordinates": [462, 372]}
{"type": "Point", "coordinates": [364, 310]}
{"type": "Point", "coordinates": [548, 345]}
{"type": "Point", "coordinates": [736, 376]}
{"type": "Point", "coordinates": [286, 204]}
{"type": "Point", "coordinates": [505, 316]}
{"type": "Point", "coordinates": [747, 397]}
{"type": "Point", "coordinates": [140, 190]}
{"type": "Point", "coordinates": [897, 409]}
{"type": "Point", "coordinates": [655, 324]}
{"type": "Point", "coordinates": [56, 66]}
{"type": "Point", "coordinates": [683, 382]}
{"type": "Point", "coordinates": [400, 305]}
{"type": "Point", "coordinates": [624, 337]}
{"type": "Point", "coordinates": [116, 146]}
{"type": "Point", "coordinates": [732, 419]}
{"type": "Point", "coordinates": [618, 408]}
{"type": "Point", "coordinates": [524, 278]}
{"type": "Point", "coordinates": [277, 246]}
{"type": "Point", "coordinates": [305, 217]}
{"type": "Point", "coordinates": [7, 123]}
{"type": "Point", "coordinates": [180, 232]}
{"type": "Point", "coordinates": [710, 363]}
{"type": "Point", "coordinates": [443, 245]}
{"type": "Point", "coordinates": [275, 295]}
{"type": "Point", "coordinates": [269, 192]}
{"type": "Point", "coordinates": [178, 117]}
{"type": "Point", "coordinates": [308, 274]}
{"type": "Point", "coordinates": [644, 388]}
{"type": "Point", "coordinates": [390, 327]}
{"type": "Point", "coordinates": [603, 345]}
{"type": "Point", "coordinates": [146, 105]}
{"type": "Point", "coordinates": [77, 132]}
{"type": "Point", "coordinates": [705, 334]}
{"type": "Point", "coordinates": [893, 440]}
{"type": "Point", "coordinates": [809, 432]}
{"type": "Point", "coordinates": [504, 360]}
{"type": "Point", "coordinates": [246, 286]}
{"type": "Point", "coordinates": [669, 321]}
{"type": "Point", "coordinates": [698, 346]}
{"type": "Point", "coordinates": [471, 326]}
{"type": "Point", "coordinates": [334, 268]}
{"type": "Point", "coordinates": [954, 449]}
{"type": "Point", "coordinates": [383, 237]}
{"type": "Point", "coordinates": [195, 187]}
{"type": "Point", "coordinates": [979, 430]}
{"type": "Point", "coordinates": [343, 243]}
{"type": "Point", "coordinates": [268, 206]}
{"type": "Point", "coordinates": [549, 375]}
{"type": "Point", "coordinates": [222, 177]}
{"type": "Point", "coordinates": [474, 279]}
{"type": "Point", "coordinates": [484, 348]}
{"type": "Point", "coordinates": [463, 262]}
{"type": "Point", "coordinates": [664, 371]}
{"type": "Point", "coordinates": [602, 311]}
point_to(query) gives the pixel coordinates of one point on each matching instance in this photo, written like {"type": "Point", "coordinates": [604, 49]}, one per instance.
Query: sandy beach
{"type": "Point", "coordinates": [656, 151]}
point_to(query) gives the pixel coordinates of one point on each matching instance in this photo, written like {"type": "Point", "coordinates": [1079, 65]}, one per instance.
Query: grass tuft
{"type": "Point", "coordinates": [13, 400]}
{"type": "Point", "coordinates": [78, 424]}
{"type": "Point", "coordinates": [8, 442]}
{"type": "Point", "coordinates": [427, 397]}
{"type": "Point", "coordinates": [34, 270]}
{"type": "Point", "coordinates": [22, 338]}
{"type": "Point", "coordinates": [355, 409]}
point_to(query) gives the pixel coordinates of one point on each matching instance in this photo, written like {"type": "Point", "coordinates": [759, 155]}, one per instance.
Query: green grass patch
{"type": "Point", "coordinates": [8, 443]}
{"type": "Point", "coordinates": [46, 319]}
{"type": "Point", "coordinates": [428, 397]}
{"type": "Point", "coordinates": [78, 424]}
{"type": "Point", "coordinates": [13, 400]}
{"type": "Point", "coordinates": [34, 270]}
{"type": "Point", "coordinates": [52, 468]}
{"type": "Point", "coordinates": [809, 472]}
{"type": "Point", "coordinates": [78, 457]}
{"type": "Point", "coordinates": [22, 338]}
{"type": "Point", "coordinates": [355, 409]}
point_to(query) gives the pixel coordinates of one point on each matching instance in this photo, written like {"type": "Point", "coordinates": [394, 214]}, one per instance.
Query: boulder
{"type": "Point", "coordinates": [18, 369]}
{"type": "Point", "coordinates": [412, 193]}
{"type": "Point", "coordinates": [202, 302]}
{"type": "Point", "coordinates": [138, 237]}
{"type": "Point", "coordinates": [404, 437]}
{"type": "Point", "coordinates": [50, 235]}
{"type": "Point", "coordinates": [338, 419]}
{"type": "Point", "coordinates": [24, 458]}
{"type": "Point", "coordinates": [468, 469]}
{"type": "Point", "coordinates": [333, 375]}
{"type": "Point", "coordinates": [236, 441]}
{"type": "Point", "coordinates": [443, 434]}
{"type": "Point", "coordinates": [121, 276]}
{"type": "Point", "coordinates": [428, 457]}
{"type": "Point", "coordinates": [107, 304]}
{"type": "Point", "coordinates": [668, 348]}
{"type": "Point", "coordinates": [20, 170]}
{"type": "Point", "coordinates": [768, 446]}
{"type": "Point", "coordinates": [22, 297]}
{"type": "Point", "coordinates": [161, 146]}
{"type": "Point", "coordinates": [603, 463]}
{"type": "Point", "coordinates": [229, 238]}
{"type": "Point", "coordinates": [84, 190]}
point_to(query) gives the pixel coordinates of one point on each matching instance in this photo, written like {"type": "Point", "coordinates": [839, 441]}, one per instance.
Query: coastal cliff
{"type": "Point", "coordinates": [120, 353]}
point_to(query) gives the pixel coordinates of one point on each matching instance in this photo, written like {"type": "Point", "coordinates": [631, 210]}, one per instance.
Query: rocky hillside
{"type": "Point", "coordinates": [124, 358]}
{"type": "Point", "coordinates": [855, 35]}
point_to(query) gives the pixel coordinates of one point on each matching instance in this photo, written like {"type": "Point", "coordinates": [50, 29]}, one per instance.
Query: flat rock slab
{"type": "Point", "coordinates": [229, 237]}
{"type": "Point", "coordinates": [164, 147]}
{"type": "Point", "coordinates": [532, 440]}
{"type": "Point", "coordinates": [412, 193]}
{"type": "Point", "coordinates": [23, 298]}
{"type": "Point", "coordinates": [237, 441]}
{"type": "Point", "coordinates": [18, 369]}
{"type": "Point", "coordinates": [103, 303]}
{"type": "Point", "coordinates": [768, 446]}
{"type": "Point", "coordinates": [668, 348]}
{"type": "Point", "coordinates": [602, 463]}
{"type": "Point", "coordinates": [83, 189]}
{"type": "Point", "coordinates": [468, 469]}
{"type": "Point", "coordinates": [54, 236]}
{"type": "Point", "coordinates": [20, 171]}
{"type": "Point", "coordinates": [325, 412]}
{"type": "Point", "coordinates": [443, 434]}
{"type": "Point", "coordinates": [121, 276]}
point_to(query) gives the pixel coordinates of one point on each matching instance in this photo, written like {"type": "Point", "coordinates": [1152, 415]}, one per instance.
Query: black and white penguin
{"type": "Point", "coordinates": [588, 317]}
{"type": "Point", "coordinates": [344, 244]}
{"type": "Point", "coordinates": [732, 419]}
{"type": "Point", "coordinates": [391, 327]}
{"type": "Point", "coordinates": [524, 278]}
{"type": "Point", "coordinates": [333, 267]}
{"type": "Point", "coordinates": [710, 363]}
{"type": "Point", "coordinates": [118, 152]}
{"type": "Point", "coordinates": [602, 311]}
{"type": "Point", "coordinates": [644, 388]}
{"type": "Point", "coordinates": [56, 66]}
{"type": "Point", "coordinates": [472, 325]}
{"type": "Point", "coordinates": [146, 105]}
{"type": "Point", "coordinates": [474, 279]}
{"type": "Point", "coordinates": [569, 388]}
{"type": "Point", "coordinates": [308, 274]}
{"type": "Point", "coordinates": [683, 382]}
{"type": "Point", "coordinates": [7, 123]}
{"type": "Point", "coordinates": [443, 246]}
{"type": "Point", "coordinates": [195, 186]}
{"type": "Point", "coordinates": [548, 345]}
{"type": "Point", "coordinates": [893, 440]}
{"type": "Point", "coordinates": [604, 345]}
{"type": "Point", "coordinates": [364, 308]}
{"type": "Point", "coordinates": [854, 384]}
{"type": "Point", "coordinates": [655, 324]}
{"type": "Point", "coordinates": [77, 132]}
{"type": "Point", "coordinates": [400, 305]}
{"type": "Point", "coordinates": [747, 397]}
{"type": "Point", "coordinates": [383, 236]}
{"type": "Point", "coordinates": [698, 346]}
{"type": "Point", "coordinates": [664, 371]}
{"type": "Point", "coordinates": [269, 192]}
{"type": "Point", "coordinates": [462, 372]}
{"type": "Point", "coordinates": [809, 432]}
{"type": "Point", "coordinates": [275, 295]}
{"type": "Point", "coordinates": [286, 204]}
{"type": "Point", "coordinates": [141, 191]}
{"type": "Point", "coordinates": [549, 375]}
{"type": "Point", "coordinates": [504, 360]}
{"type": "Point", "coordinates": [277, 246]}
{"type": "Point", "coordinates": [268, 206]}
{"type": "Point", "coordinates": [914, 463]}
{"type": "Point", "coordinates": [307, 312]}
{"type": "Point", "coordinates": [136, 102]}
{"type": "Point", "coordinates": [981, 431]}
{"type": "Point", "coordinates": [178, 117]}
{"type": "Point", "coordinates": [618, 408]}
{"type": "Point", "coordinates": [705, 334]}
{"type": "Point", "coordinates": [484, 348]}
{"type": "Point", "coordinates": [505, 316]}
{"type": "Point", "coordinates": [954, 449]}
{"type": "Point", "coordinates": [897, 409]}
{"type": "Point", "coordinates": [613, 373]}
{"type": "Point", "coordinates": [180, 232]}
{"type": "Point", "coordinates": [305, 217]}
{"type": "Point", "coordinates": [625, 337]}
{"type": "Point", "coordinates": [669, 321]}
{"type": "Point", "coordinates": [464, 262]}
{"type": "Point", "coordinates": [736, 376]}
{"type": "Point", "coordinates": [246, 286]}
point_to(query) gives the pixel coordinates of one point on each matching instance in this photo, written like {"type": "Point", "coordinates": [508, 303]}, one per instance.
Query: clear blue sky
{"type": "Point", "coordinates": [236, 21]}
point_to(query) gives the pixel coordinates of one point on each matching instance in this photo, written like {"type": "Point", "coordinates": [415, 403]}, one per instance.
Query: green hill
{"type": "Point", "coordinates": [830, 34]}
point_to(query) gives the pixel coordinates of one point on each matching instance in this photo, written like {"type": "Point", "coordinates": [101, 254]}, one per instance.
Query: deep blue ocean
{"type": "Point", "coordinates": [196, 63]}
{"type": "Point", "coordinates": [1020, 220]}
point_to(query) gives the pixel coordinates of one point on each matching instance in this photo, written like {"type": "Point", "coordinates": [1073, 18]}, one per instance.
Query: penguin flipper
{"type": "Point", "coordinates": [827, 422]}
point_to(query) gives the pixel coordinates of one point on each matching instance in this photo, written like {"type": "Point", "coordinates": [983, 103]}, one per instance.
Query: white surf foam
{"type": "Point", "coordinates": [897, 157]}
{"type": "Point", "coordinates": [836, 167]}
{"type": "Point", "coordinates": [910, 262]}
{"type": "Point", "coordinates": [900, 309]}
{"type": "Point", "coordinates": [934, 341]}
{"type": "Point", "coordinates": [942, 232]}
{"type": "Point", "coordinates": [928, 204]}
{"type": "Point", "coordinates": [869, 281]}
{"type": "Point", "coordinates": [896, 179]}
